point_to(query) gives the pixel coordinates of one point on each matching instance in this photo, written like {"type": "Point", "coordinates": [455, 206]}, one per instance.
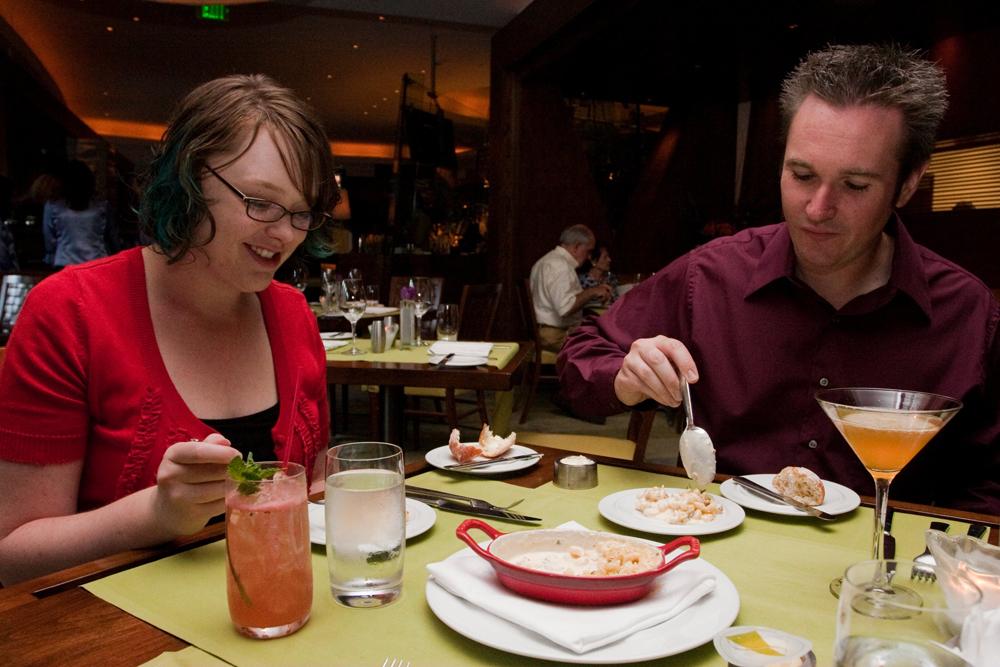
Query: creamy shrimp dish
{"type": "Point", "coordinates": [607, 558]}
{"type": "Point", "coordinates": [677, 506]}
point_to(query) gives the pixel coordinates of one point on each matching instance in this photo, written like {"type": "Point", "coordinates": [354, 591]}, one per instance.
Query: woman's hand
{"type": "Point", "coordinates": [652, 369]}
{"type": "Point", "coordinates": [190, 483]}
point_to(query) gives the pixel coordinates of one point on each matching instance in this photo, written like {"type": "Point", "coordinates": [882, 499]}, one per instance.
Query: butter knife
{"type": "Point", "coordinates": [756, 488]}
{"type": "Point", "coordinates": [483, 464]}
{"type": "Point", "coordinates": [464, 508]}
{"type": "Point", "coordinates": [444, 361]}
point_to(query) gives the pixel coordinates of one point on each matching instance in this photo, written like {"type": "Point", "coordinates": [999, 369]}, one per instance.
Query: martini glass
{"type": "Point", "coordinates": [886, 428]}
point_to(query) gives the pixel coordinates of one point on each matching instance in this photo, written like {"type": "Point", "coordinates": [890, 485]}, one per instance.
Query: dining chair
{"type": "Point", "coordinates": [630, 448]}
{"type": "Point", "coordinates": [543, 363]}
{"type": "Point", "coordinates": [14, 289]}
{"type": "Point", "coordinates": [477, 314]}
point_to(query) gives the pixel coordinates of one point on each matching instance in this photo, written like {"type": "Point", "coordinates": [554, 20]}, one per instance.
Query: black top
{"type": "Point", "coordinates": [251, 433]}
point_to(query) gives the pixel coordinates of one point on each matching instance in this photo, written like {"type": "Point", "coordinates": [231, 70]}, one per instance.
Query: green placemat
{"type": "Point", "coordinates": [500, 355]}
{"type": "Point", "coordinates": [780, 565]}
{"type": "Point", "coordinates": [191, 656]}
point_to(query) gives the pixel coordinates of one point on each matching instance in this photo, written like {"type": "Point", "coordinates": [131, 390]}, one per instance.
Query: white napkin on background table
{"type": "Point", "coordinates": [461, 348]}
{"type": "Point", "coordinates": [579, 629]}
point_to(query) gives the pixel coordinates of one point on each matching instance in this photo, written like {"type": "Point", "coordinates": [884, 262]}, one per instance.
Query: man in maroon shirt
{"type": "Point", "coordinates": [837, 295]}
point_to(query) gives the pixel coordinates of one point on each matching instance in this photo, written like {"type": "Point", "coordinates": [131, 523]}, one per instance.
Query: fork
{"type": "Point", "coordinates": [924, 563]}
{"type": "Point", "coordinates": [396, 662]}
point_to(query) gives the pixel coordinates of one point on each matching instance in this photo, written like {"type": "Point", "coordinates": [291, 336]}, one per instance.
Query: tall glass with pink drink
{"type": "Point", "coordinates": [269, 565]}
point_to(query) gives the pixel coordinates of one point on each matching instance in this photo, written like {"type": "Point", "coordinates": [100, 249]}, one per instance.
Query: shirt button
{"type": "Point", "coordinates": [823, 382]}
{"type": "Point", "coordinates": [813, 444]}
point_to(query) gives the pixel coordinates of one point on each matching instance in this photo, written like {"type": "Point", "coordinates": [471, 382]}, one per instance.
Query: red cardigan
{"type": "Point", "coordinates": [84, 379]}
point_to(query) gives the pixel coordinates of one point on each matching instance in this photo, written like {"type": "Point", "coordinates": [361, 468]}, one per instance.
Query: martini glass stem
{"type": "Point", "coordinates": [881, 505]}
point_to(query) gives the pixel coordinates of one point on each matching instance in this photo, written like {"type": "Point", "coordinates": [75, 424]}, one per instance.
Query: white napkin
{"type": "Point", "coordinates": [461, 349]}
{"type": "Point", "coordinates": [334, 344]}
{"type": "Point", "coordinates": [980, 640]}
{"type": "Point", "coordinates": [380, 310]}
{"type": "Point", "coordinates": [579, 629]}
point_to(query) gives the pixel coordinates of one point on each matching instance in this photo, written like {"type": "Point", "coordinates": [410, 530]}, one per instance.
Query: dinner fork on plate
{"type": "Point", "coordinates": [923, 565]}
{"type": "Point", "coordinates": [395, 662]}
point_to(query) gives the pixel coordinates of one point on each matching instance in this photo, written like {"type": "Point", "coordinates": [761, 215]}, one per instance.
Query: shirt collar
{"type": "Point", "coordinates": [907, 276]}
{"type": "Point", "coordinates": [565, 254]}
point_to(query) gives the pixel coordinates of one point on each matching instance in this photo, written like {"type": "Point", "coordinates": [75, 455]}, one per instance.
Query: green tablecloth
{"type": "Point", "coordinates": [781, 566]}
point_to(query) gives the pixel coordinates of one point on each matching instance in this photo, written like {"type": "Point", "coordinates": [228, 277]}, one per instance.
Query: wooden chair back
{"type": "Point", "coordinates": [478, 311]}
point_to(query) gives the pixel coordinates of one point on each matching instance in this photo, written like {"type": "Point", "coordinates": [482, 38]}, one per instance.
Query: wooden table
{"type": "Point", "coordinates": [392, 377]}
{"type": "Point", "coordinates": [51, 620]}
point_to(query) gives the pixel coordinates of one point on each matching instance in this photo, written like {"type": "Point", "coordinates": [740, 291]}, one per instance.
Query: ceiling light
{"type": "Point", "coordinates": [110, 28]}
{"type": "Point", "coordinates": [355, 46]}
{"type": "Point", "coordinates": [135, 19]}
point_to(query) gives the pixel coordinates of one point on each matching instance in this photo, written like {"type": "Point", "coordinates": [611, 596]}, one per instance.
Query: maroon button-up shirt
{"type": "Point", "coordinates": [765, 343]}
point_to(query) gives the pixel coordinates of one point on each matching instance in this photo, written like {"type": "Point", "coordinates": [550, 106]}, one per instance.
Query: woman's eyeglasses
{"type": "Point", "coordinates": [264, 210]}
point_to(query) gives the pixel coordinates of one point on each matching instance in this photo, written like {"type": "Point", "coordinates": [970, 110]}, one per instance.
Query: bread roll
{"type": "Point", "coordinates": [802, 484]}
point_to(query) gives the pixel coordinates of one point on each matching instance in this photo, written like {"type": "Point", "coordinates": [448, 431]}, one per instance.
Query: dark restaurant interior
{"type": "Point", "coordinates": [630, 117]}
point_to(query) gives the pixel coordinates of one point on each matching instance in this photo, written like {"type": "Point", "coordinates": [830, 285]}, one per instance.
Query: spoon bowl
{"type": "Point", "coordinates": [696, 449]}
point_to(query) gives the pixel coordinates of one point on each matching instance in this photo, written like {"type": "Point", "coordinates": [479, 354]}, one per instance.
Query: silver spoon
{"type": "Point", "coordinates": [696, 449]}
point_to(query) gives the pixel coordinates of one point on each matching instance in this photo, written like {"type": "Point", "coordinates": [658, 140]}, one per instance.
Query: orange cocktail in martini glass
{"type": "Point", "coordinates": [886, 428]}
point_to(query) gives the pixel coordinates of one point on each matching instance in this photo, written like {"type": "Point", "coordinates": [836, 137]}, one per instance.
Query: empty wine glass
{"type": "Point", "coordinates": [300, 277]}
{"type": "Point", "coordinates": [352, 305]}
{"type": "Point", "coordinates": [423, 300]}
{"type": "Point", "coordinates": [331, 289]}
{"type": "Point", "coordinates": [447, 321]}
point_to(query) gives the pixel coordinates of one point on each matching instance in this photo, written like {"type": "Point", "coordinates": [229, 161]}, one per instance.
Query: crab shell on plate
{"type": "Point", "coordinates": [489, 445]}
{"type": "Point", "coordinates": [565, 588]}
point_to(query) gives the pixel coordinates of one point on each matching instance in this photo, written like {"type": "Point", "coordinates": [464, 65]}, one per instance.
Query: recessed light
{"type": "Point", "coordinates": [135, 19]}
{"type": "Point", "coordinates": [381, 18]}
{"type": "Point", "coordinates": [110, 28]}
{"type": "Point", "coordinates": [355, 46]}
{"type": "Point", "coordinates": [329, 76]}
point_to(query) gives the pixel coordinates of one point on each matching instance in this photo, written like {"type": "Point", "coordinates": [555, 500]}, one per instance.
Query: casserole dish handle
{"type": "Point", "coordinates": [463, 532]}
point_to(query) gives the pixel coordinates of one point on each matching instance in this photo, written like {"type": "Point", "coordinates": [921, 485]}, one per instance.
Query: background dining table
{"type": "Point", "coordinates": [168, 605]}
{"type": "Point", "coordinates": [395, 369]}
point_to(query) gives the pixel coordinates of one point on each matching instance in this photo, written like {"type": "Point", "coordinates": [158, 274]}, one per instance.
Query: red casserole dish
{"type": "Point", "coordinates": [570, 588]}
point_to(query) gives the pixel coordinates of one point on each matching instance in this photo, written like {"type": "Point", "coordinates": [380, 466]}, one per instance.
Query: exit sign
{"type": "Point", "coordinates": [214, 12]}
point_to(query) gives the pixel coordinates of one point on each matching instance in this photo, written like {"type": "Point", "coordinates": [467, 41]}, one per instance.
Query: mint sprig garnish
{"type": "Point", "coordinates": [249, 474]}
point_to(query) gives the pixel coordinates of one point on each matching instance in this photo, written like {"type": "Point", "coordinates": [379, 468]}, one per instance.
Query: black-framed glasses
{"type": "Point", "coordinates": [265, 210]}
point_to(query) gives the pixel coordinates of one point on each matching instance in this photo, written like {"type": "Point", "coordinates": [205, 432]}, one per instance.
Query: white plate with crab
{"type": "Point", "coordinates": [620, 508]}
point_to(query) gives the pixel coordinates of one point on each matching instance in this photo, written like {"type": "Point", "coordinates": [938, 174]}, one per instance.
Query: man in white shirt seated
{"type": "Point", "coordinates": [559, 298]}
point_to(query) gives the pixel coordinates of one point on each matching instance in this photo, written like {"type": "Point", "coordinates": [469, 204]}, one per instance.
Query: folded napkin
{"type": "Point", "coordinates": [579, 629]}
{"type": "Point", "coordinates": [380, 310]}
{"type": "Point", "coordinates": [334, 344]}
{"type": "Point", "coordinates": [463, 349]}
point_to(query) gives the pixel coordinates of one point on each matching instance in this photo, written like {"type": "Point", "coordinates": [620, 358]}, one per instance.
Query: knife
{"type": "Point", "coordinates": [444, 361]}
{"type": "Point", "coordinates": [754, 487]}
{"type": "Point", "coordinates": [483, 464]}
{"type": "Point", "coordinates": [417, 492]}
{"type": "Point", "coordinates": [463, 508]}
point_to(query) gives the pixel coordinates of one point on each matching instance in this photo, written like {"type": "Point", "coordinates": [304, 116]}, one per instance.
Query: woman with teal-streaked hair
{"type": "Point", "coordinates": [131, 381]}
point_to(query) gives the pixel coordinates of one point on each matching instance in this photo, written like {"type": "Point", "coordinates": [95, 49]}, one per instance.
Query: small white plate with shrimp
{"type": "Point", "coordinates": [671, 511]}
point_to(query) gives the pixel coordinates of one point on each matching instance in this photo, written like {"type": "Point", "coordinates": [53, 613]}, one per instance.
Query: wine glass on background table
{"type": "Point", "coordinates": [352, 306]}
{"type": "Point", "coordinates": [331, 289]}
{"type": "Point", "coordinates": [300, 278]}
{"type": "Point", "coordinates": [423, 301]}
{"type": "Point", "coordinates": [447, 321]}
{"type": "Point", "coordinates": [885, 428]}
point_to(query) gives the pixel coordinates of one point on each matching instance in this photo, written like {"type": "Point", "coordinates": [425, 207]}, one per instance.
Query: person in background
{"type": "Point", "coordinates": [598, 272]}
{"type": "Point", "coordinates": [76, 227]}
{"type": "Point", "coordinates": [559, 298]}
{"type": "Point", "coordinates": [130, 382]}
{"type": "Point", "coordinates": [837, 295]}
